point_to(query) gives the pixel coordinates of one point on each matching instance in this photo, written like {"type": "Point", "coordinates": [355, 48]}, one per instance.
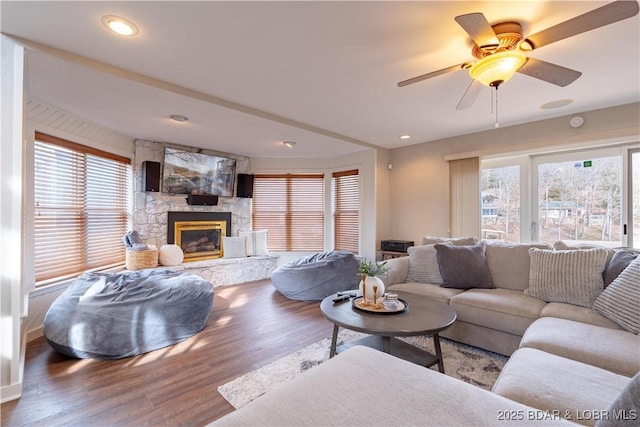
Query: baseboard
{"type": "Point", "coordinates": [14, 391]}
{"type": "Point", "coordinates": [10, 392]}
{"type": "Point", "coordinates": [35, 333]}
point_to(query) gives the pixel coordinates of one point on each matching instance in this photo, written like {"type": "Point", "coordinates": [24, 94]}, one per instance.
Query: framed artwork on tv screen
{"type": "Point", "coordinates": [187, 172]}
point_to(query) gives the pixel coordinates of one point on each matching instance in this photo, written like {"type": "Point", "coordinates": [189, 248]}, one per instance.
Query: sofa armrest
{"type": "Point", "coordinates": [398, 271]}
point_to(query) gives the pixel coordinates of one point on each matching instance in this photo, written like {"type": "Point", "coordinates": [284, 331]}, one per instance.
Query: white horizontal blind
{"type": "Point", "coordinates": [291, 207]}
{"type": "Point", "coordinates": [80, 208]}
{"type": "Point", "coordinates": [346, 213]}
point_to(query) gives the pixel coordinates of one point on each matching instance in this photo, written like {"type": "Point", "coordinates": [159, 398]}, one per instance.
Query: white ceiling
{"type": "Point", "coordinates": [323, 74]}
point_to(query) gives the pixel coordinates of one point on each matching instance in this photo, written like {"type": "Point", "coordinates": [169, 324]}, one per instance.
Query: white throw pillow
{"type": "Point", "coordinates": [620, 301]}
{"type": "Point", "coordinates": [423, 265]}
{"type": "Point", "coordinates": [255, 242]}
{"type": "Point", "coordinates": [233, 247]}
{"type": "Point", "coordinates": [572, 277]}
{"type": "Point", "coordinates": [170, 255]}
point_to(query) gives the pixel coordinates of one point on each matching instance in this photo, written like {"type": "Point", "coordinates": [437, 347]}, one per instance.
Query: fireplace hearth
{"type": "Point", "coordinates": [199, 234]}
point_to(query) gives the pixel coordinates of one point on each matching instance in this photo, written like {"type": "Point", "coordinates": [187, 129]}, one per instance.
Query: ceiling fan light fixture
{"type": "Point", "coordinates": [496, 69]}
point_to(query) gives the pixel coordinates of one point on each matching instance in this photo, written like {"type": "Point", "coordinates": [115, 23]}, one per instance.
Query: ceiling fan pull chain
{"type": "Point", "coordinates": [497, 125]}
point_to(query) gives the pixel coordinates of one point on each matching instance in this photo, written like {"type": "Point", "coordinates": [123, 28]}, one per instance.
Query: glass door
{"type": "Point", "coordinates": [577, 197]}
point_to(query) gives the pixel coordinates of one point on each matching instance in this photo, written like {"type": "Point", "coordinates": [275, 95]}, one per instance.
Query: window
{"type": "Point", "coordinates": [291, 207]}
{"type": "Point", "coordinates": [579, 197]}
{"type": "Point", "coordinates": [81, 200]}
{"type": "Point", "coordinates": [346, 204]}
{"type": "Point", "coordinates": [587, 195]}
{"type": "Point", "coordinates": [501, 203]}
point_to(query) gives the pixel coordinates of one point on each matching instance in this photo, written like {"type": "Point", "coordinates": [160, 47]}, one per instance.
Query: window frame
{"type": "Point", "coordinates": [292, 221]}
{"type": "Point", "coordinates": [528, 226]}
{"type": "Point", "coordinates": [91, 156]}
{"type": "Point", "coordinates": [337, 212]}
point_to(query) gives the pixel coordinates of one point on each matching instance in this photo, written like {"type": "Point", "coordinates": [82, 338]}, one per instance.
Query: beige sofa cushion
{"type": "Point", "coordinates": [577, 313]}
{"type": "Point", "coordinates": [612, 349]}
{"type": "Point", "coordinates": [398, 271]}
{"type": "Point", "coordinates": [573, 277]}
{"type": "Point", "coordinates": [456, 241]}
{"type": "Point", "coordinates": [365, 387]}
{"type": "Point", "coordinates": [509, 263]}
{"type": "Point", "coordinates": [428, 289]}
{"type": "Point", "coordinates": [561, 386]}
{"type": "Point", "coordinates": [500, 309]}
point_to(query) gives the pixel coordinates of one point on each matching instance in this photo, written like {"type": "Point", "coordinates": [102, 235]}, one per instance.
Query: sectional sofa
{"type": "Point", "coordinates": [574, 345]}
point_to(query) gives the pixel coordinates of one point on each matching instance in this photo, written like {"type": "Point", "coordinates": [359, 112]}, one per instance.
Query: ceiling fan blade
{"type": "Point", "coordinates": [477, 26]}
{"type": "Point", "coordinates": [605, 15]}
{"type": "Point", "coordinates": [431, 75]}
{"type": "Point", "coordinates": [470, 95]}
{"type": "Point", "coordinates": [552, 73]}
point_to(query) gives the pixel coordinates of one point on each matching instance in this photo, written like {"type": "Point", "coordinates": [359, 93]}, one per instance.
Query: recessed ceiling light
{"type": "Point", "coordinates": [119, 25]}
{"type": "Point", "coordinates": [556, 104]}
{"type": "Point", "coordinates": [289, 144]}
{"type": "Point", "coordinates": [178, 117]}
{"type": "Point", "coordinates": [405, 136]}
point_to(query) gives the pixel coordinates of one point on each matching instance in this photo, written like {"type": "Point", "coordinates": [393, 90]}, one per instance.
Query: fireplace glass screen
{"type": "Point", "coordinates": [200, 239]}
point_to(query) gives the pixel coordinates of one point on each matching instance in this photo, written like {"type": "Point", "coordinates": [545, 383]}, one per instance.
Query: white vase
{"type": "Point", "coordinates": [366, 287]}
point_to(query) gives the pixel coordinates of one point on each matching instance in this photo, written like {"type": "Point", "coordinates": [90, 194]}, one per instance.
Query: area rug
{"type": "Point", "coordinates": [470, 364]}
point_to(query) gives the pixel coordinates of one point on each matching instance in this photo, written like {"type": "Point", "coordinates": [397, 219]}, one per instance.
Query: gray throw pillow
{"type": "Point", "coordinates": [620, 260]}
{"type": "Point", "coordinates": [463, 267]}
{"type": "Point", "coordinates": [620, 302]}
{"type": "Point", "coordinates": [625, 410]}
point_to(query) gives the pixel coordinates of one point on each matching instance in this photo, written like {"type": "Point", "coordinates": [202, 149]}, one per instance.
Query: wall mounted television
{"type": "Point", "coordinates": [188, 172]}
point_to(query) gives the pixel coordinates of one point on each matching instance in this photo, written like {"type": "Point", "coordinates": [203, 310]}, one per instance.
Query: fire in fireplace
{"type": "Point", "coordinates": [199, 234]}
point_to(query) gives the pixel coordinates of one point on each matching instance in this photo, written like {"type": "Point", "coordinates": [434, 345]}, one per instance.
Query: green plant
{"type": "Point", "coordinates": [373, 268]}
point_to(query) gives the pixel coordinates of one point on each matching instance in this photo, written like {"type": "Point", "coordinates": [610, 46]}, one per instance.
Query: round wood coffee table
{"type": "Point", "coordinates": [424, 317]}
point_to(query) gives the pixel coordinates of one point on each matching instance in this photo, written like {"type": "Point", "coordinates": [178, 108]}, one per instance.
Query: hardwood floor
{"type": "Point", "coordinates": [251, 325]}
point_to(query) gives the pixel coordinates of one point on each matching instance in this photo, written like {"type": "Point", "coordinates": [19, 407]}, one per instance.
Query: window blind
{"type": "Point", "coordinates": [291, 207]}
{"type": "Point", "coordinates": [81, 205]}
{"type": "Point", "coordinates": [464, 197]}
{"type": "Point", "coordinates": [346, 216]}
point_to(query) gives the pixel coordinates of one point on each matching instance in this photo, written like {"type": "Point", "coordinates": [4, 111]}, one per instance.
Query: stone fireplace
{"type": "Point", "coordinates": [199, 234]}
{"type": "Point", "coordinates": [155, 215]}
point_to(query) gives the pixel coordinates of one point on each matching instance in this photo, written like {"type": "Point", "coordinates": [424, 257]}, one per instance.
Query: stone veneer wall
{"type": "Point", "coordinates": [150, 208]}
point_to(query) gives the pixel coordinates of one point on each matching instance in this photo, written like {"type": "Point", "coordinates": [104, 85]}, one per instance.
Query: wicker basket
{"type": "Point", "coordinates": [137, 260]}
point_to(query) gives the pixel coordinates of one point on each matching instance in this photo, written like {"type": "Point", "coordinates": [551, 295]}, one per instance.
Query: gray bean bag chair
{"type": "Point", "coordinates": [117, 315]}
{"type": "Point", "coordinates": [317, 276]}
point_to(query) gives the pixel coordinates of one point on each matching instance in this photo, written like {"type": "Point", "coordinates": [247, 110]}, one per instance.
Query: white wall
{"type": "Point", "coordinates": [419, 189]}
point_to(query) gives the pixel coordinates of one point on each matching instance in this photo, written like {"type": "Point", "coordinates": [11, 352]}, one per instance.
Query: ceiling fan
{"type": "Point", "coordinates": [501, 49]}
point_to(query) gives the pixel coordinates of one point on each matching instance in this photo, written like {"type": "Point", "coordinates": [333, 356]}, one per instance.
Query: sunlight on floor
{"type": "Point", "coordinates": [239, 302]}
{"type": "Point", "coordinates": [79, 365]}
